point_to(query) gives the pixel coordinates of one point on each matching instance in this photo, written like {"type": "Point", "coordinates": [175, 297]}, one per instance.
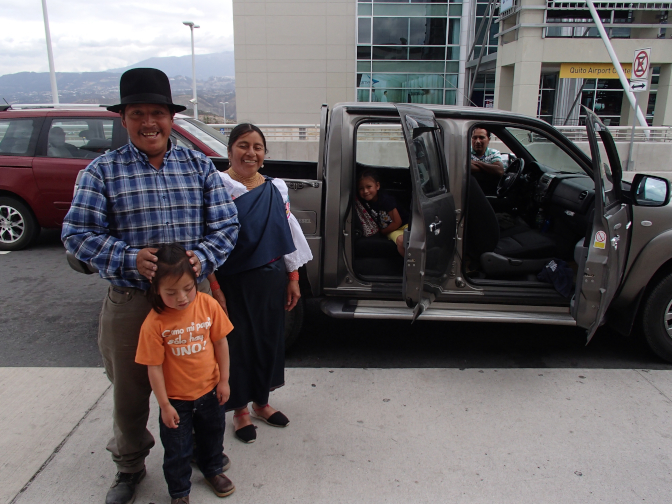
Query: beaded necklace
{"type": "Point", "coordinates": [249, 182]}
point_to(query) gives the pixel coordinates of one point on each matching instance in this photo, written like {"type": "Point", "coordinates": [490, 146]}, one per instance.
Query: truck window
{"type": "Point", "coordinates": [381, 145]}
{"type": "Point", "coordinates": [430, 163]}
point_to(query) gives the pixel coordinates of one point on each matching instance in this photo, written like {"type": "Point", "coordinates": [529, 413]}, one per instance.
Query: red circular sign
{"type": "Point", "coordinates": [601, 237]}
{"type": "Point", "coordinates": [641, 65]}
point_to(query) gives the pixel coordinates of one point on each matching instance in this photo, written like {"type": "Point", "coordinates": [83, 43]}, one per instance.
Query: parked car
{"type": "Point", "coordinates": [472, 257]}
{"type": "Point", "coordinates": [43, 147]}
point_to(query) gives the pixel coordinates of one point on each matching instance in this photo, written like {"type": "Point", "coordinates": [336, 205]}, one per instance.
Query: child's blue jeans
{"type": "Point", "coordinates": [206, 418]}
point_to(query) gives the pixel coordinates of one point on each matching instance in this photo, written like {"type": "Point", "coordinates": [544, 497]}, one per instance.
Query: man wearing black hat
{"type": "Point", "coordinates": [129, 201]}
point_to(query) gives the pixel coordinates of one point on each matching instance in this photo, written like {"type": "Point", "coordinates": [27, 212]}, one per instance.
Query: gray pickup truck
{"type": "Point", "coordinates": [474, 256]}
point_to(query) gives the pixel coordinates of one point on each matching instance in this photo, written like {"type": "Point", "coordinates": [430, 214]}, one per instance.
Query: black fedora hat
{"type": "Point", "coordinates": [145, 85]}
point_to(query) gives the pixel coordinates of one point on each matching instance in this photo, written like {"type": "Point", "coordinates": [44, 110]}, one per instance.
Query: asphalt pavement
{"type": "Point", "coordinates": [50, 318]}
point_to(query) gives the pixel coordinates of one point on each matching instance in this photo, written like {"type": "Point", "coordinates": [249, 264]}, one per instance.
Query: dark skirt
{"type": "Point", "coordinates": [255, 300]}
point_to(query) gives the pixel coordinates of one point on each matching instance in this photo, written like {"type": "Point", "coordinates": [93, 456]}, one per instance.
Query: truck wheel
{"type": "Point", "coordinates": [657, 319]}
{"type": "Point", "coordinates": [18, 227]}
{"type": "Point", "coordinates": [293, 324]}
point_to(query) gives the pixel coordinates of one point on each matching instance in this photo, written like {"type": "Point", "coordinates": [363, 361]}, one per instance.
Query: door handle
{"type": "Point", "coordinates": [614, 241]}
{"type": "Point", "coordinates": [434, 227]}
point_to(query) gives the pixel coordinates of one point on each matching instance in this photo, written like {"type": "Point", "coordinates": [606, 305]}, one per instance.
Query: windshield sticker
{"type": "Point", "coordinates": [600, 240]}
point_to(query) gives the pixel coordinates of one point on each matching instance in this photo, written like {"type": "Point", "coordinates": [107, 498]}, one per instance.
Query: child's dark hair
{"type": "Point", "coordinates": [370, 173]}
{"type": "Point", "coordinates": [174, 263]}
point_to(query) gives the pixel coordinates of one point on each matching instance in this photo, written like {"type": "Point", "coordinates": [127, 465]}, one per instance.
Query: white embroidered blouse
{"type": "Point", "coordinates": [302, 254]}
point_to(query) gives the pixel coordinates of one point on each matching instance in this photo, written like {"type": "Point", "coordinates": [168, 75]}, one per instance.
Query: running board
{"type": "Point", "coordinates": [397, 310]}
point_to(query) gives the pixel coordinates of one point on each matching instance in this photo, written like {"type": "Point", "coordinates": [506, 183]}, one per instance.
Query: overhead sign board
{"type": "Point", "coordinates": [592, 70]}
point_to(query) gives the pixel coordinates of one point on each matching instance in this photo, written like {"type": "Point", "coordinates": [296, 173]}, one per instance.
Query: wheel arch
{"type": "Point", "coordinates": [651, 265]}
{"type": "Point", "coordinates": [9, 194]}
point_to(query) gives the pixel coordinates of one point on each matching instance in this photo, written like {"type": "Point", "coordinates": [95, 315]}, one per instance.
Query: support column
{"type": "Point", "coordinates": [503, 87]}
{"type": "Point", "coordinates": [466, 37]}
{"type": "Point", "coordinates": [662, 114]}
{"type": "Point", "coordinates": [527, 69]}
{"type": "Point", "coordinates": [628, 113]}
{"type": "Point", "coordinates": [525, 95]}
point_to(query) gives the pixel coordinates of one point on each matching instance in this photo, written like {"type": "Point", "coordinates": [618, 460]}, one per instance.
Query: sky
{"type": "Point", "coordinates": [96, 35]}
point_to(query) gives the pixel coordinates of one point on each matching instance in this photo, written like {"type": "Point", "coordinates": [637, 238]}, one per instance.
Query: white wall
{"type": "Point", "coordinates": [291, 57]}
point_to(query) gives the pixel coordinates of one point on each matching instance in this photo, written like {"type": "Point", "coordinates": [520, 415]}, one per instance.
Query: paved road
{"type": "Point", "coordinates": [49, 318]}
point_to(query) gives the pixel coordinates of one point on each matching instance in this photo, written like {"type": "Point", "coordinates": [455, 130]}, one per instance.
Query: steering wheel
{"type": "Point", "coordinates": [511, 176]}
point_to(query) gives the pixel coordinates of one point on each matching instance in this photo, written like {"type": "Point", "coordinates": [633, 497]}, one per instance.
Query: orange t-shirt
{"type": "Point", "coordinates": [181, 341]}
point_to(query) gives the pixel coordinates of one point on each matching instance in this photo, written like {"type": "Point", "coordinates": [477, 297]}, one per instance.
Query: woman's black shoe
{"type": "Point", "coordinates": [247, 434]}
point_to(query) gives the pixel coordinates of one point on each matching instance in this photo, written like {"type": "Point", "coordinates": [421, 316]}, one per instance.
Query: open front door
{"type": "Point", "coordinates": [430, 239]}
{"type": "Point", "coordinates": [604, 252]}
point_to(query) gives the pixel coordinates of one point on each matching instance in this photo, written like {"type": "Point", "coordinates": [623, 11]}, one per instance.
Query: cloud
{"type": "Point", "coordinates": [90, 35]}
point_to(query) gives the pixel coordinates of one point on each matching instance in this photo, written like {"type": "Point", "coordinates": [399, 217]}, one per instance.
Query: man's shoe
{"type": "Point", "coordinates": [221, 485]}
{"type": "Point", "coordinates": [180, 500]}
{"type": "Point", "coordinates": [122, 490]}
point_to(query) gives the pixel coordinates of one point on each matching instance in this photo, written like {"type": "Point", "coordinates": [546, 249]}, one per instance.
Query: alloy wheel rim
{"type": "Point", "coordinates": [668, 319]}
{"type": "Point", "coordinates": [12, 225]}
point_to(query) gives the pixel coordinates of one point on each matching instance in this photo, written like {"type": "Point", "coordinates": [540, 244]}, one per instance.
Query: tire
{"type": "Point", "coordinates": [293, 324]}
{"type": "Point", "coordinates": [18, 227]}
{"type": "Point", "coordinates": [657, 319]}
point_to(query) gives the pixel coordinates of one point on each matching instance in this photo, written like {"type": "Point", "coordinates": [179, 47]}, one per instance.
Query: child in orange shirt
{"type": "Point", "coordinates": [183, 344]}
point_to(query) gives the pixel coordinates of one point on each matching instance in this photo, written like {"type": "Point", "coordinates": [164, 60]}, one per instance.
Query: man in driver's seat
{"type": "Point", "coordinates": [486, 163]}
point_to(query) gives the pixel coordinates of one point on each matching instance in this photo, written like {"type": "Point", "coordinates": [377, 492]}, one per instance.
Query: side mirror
{"type": "Point", "coordinates": [648, 190]}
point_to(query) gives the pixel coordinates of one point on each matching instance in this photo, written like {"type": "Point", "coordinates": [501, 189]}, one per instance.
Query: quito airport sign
{"type": "Point", "coordinates": [592, 70]}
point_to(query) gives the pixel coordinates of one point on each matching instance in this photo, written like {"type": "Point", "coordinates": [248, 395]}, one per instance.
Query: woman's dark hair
{"type": "Point", "coordinates": [370, 173]}
{"type": "Point", "coordinates": [173, 263]}
{"type": "Point", "coordinates": [244, 129]}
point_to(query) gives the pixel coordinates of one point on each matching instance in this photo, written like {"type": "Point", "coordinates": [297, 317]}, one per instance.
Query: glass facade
{"type": "Point", "coordinates": [564, 16]}
{"type": "Point", "coordinates": [491, 43]}
{"type": "Point", "coordinates": [408, 51]}
{"type": "Point", "coordinates": [484, 90]}
{"type": "Point", "coordinates": [546, 105]}
{"type": "Point", "coordinates": [604, 97]}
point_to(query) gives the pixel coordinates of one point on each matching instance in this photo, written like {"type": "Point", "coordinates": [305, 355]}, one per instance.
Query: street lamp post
{"type": "Point", "coordinates": [224, 108]}
{"type": "Point", "coordinates": [191, 26]}
{"type": "Point", "coordinates": [50, 54]}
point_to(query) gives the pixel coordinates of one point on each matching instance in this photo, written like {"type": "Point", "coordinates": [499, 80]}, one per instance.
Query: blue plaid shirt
{"type": "Point", "coordinates": [124, 204]}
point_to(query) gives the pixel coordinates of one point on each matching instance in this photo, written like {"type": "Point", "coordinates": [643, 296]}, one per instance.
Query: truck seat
{"type": "Point", "coordinates": [520, 250]}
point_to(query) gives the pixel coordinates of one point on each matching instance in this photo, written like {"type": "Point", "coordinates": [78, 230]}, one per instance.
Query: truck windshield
{"type": "Point", "coordinates": [545, 151]}
{"type": "Point", "coordinates": [209, 136]}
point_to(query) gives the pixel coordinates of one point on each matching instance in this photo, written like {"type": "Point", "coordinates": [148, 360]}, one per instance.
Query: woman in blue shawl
{"type": "Point", "coordinates": [259, 281]}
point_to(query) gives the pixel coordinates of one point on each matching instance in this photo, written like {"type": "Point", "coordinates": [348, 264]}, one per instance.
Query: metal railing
{"type": "Point", "coordinates": [280, 132]}
{"type": "Point", "coordinates": [392, 132]}
{"type": "Point", "coordinates": [622, 133]}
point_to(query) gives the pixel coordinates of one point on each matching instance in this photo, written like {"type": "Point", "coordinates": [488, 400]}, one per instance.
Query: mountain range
{"type": "Point", "coordinates": [215, 80]}
{"type": "Point", "coordinates": [207, 65]}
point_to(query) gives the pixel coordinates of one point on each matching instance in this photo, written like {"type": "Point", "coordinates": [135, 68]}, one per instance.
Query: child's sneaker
{"type": "Point", "coordinates": [221, 485]}
{"type": "Point", "coordinates": [180, 500]}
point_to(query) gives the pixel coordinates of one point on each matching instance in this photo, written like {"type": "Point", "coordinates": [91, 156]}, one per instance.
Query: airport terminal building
{"type": "Point", "coordinates": [538, 57]}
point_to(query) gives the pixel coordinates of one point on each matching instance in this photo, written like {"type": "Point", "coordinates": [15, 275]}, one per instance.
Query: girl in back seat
{"type": "Point", "coordinates": [390, 219]}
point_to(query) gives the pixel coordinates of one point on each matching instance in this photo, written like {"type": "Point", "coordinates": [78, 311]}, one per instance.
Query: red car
{"type": "Point", "coordinates": [43, 148]}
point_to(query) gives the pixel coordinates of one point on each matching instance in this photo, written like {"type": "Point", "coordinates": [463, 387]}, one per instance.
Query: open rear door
{"type": "Point", "coordinates": [603, 255]}
{"type": "Point", "coordinates": [430, 240]}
